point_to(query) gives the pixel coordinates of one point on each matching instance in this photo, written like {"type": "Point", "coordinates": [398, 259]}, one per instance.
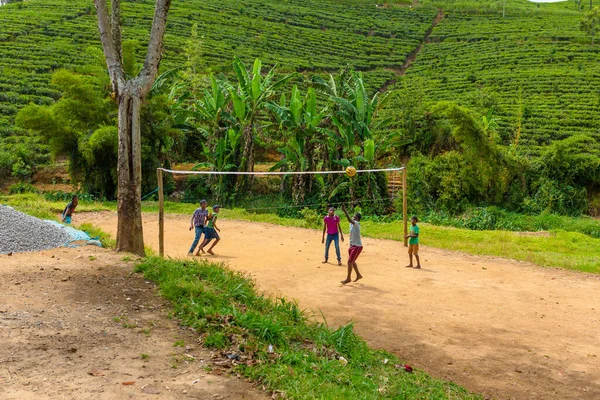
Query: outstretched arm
{"type": "Point", "coordinates": [347, 215]}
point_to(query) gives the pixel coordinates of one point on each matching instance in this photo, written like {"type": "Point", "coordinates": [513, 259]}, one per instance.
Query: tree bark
{"type": "Point", "coordinates": [130, 236]}
{"type": "Point", "coordinates": [247, 161]}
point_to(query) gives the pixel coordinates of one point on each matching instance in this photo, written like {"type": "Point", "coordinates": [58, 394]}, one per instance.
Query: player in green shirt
{"type": "Point", "coordinates": [413, 243]}
{"type": "Point", "coordinates": [210, 232]}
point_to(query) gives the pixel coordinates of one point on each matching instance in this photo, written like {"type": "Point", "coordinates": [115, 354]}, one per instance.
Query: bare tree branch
{"type": "Point", "coordinates": [154, 54]}
{"type": "Point", "coordinates": [113, 59]}
{"type": "Point", "coordinates": [115, 20]}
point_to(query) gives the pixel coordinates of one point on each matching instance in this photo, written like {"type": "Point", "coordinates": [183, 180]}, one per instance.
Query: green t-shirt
{"type": "Point", "coordinates": [414, 230]}
{"type": "Point", "coordinates": [212, 221]}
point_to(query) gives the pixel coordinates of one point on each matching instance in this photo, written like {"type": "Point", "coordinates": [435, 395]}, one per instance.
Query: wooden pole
{"type": "Point", "coordinates": [161, 214]}
{"type": "Point", "coordinates": [404, 205]}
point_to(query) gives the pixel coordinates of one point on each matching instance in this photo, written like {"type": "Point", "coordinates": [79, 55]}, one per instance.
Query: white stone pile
{"type": "Point", "coordinates": [21, 232]}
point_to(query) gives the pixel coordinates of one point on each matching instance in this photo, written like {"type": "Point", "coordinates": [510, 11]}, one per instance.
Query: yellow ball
{"type": "Point", "coordinates": [350, 171]}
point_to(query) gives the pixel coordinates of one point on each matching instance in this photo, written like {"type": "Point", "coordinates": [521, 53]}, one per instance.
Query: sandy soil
{"type": "Point", "coordinates": [507, 329]}
{"type": "Point", "coordinates": [75, 323]}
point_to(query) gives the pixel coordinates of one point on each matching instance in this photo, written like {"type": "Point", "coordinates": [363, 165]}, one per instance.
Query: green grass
{"type": "Point", "coordinates": [94, 232]}
{"type": "Point", "coordinates": [228, 313]}
{"type": "Point", "coordinates": [569, 250]}
{"type": "Point", "coordinates": [37, 206]}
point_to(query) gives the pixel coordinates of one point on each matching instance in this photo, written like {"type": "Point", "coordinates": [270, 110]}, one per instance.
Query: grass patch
{"type": "Point", "coordinates": [570, 250]}
{"type": "Point", "coordinates": [38, 206]}
{"type": "Point", "coordinates": [273, 341]}
{"type": "Point", "coordinates": [95, 232]}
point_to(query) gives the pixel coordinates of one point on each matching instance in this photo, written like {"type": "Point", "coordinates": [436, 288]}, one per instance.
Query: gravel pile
{"type": "Point", "coordinates": [21, 232]}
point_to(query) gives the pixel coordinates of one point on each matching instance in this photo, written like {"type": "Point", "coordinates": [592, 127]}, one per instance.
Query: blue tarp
{"type": "Point", "coordinates": [75, 234]}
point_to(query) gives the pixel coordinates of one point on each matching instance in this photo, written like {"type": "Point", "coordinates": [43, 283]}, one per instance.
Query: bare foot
{"type": "Point", "coordinates": [210, 252]}
{"type": "Point", "coordinates": [197, 254]}
{"type": "Point", "coordinates": [358, 277]}
{"type": "Point", "coordinates": [408, 266]}
{"type": "Point", "coordinates": [346, 281]}
{"type": "Point", "coordinates": [202, 250]}
{"type": "Point", "coordinates": [418, 267]}
{"type": "Point", "coordinates": [340, 263]}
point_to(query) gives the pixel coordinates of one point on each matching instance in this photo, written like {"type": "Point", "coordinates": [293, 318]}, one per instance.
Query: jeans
{"type": "Point", "coordinates": [335, 237]}
{"type": "Point", "coordinates": [199, 232]}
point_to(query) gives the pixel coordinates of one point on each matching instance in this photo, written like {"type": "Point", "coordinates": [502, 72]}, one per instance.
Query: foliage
{"type": "Point", "coordinates": [476, 57]}
{"type": "Point", "coordinates": [311, 218]}
{"type": "Point", "coordinates": [82, 126]}
{"type": "Point", "coordinates": [590, 22]}
{"type": "Point", "coordinates": [22, 187]}
{"type": "Point", "coordinates": [225, 309]}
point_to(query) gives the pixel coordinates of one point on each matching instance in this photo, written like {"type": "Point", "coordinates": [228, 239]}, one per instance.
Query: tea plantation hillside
{"type": "Point", "coordinates": [40, 36]}
{"type": "Point", "coordinates": [532, 72]}
{"type": "Point", "coordinates": [534, 68]}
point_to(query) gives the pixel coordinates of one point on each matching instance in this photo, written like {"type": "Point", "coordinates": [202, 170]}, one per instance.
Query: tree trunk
{"type": "Point", "coordinates": [129, 227]}
{"type": "Point", "coordinates": [247, 162]}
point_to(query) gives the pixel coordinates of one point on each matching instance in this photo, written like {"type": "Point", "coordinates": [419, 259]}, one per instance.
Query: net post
{"type": "Point", "coordinates": [161, 214]}
{"type": "Point", "coordinates": [404, 205]}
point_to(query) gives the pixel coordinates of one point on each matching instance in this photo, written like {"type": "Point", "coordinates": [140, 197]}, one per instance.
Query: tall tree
{"type": "Point", "coordinates": [129, 94]}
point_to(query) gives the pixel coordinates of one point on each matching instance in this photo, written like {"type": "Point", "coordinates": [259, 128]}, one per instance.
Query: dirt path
{"type": "Point", "coordinates": [412, 56]}
{"type": "Point", "coordinates": [77, 324]}
{"type": "Point", "coordinates": [506, 329]}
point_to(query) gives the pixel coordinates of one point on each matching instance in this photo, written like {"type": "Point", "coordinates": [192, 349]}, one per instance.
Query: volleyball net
{"type": "Point", "coordinates": [396, 182]}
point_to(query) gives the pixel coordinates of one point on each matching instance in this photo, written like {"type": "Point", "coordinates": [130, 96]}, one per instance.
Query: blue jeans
{"type": "Point", "coordinates": [199, 232]}
{"type": "Point", "coordinates": [335, 238]}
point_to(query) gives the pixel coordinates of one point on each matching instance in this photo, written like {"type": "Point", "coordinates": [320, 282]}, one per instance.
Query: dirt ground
{"type": "Point", "coordinates": [79, 324]}
{"type": "Point", "coordinates": [507, 329]}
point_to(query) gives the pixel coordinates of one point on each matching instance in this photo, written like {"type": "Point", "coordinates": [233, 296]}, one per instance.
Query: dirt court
{"type": "Point", "coordinates": [79, 324]}
{"type": "Point", "coordinates": [507, 329]}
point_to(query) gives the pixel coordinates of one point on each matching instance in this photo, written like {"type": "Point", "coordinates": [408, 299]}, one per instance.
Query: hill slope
{"type": "Point", "coordinates": [534, 69]}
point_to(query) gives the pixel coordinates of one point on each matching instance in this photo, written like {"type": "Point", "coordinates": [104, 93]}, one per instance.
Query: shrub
{"type": "Point", "coordinates": [311, 218]}
{"type": "Point", "coordinates": [22, 187]}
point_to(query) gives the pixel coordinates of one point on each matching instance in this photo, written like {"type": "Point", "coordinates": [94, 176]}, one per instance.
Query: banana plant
{"type": "Point", "coordinates": [355, 124]}
{"type": "Point", "coordinates": [250, 97]}
{"type": "Point", "coordinates": [300, 121]}
{"type": "Point", "coordinates": [222, 158]}
{"type": "Point", "coordinates": [206, 118]}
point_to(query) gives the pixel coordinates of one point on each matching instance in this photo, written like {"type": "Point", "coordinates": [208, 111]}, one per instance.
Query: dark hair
{"type": "Point", "coordinates": [358, 216]}
{"type": "Point", "coordinates": [74, 197]}
{"type": "Point", "coordinates": [203, 201]}
{"type": "Point", "coordinates": [216, 206]}
{"type": "Point", "coordinates": [415, 218]}
{"type": "Point", "coordinates": [331, 207]}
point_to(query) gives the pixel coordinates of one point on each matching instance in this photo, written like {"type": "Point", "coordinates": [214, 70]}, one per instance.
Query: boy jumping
{"type": "Point", "coordinates": [209, 231]}
{"type": "Point", "coordinates": [356, 246]}
{"type": "Point", "coordinates": [331, 224]}
{"type": "Point", "coordinates": [413, 243]}
{"type": "Point", "coordinates": [197, 222]}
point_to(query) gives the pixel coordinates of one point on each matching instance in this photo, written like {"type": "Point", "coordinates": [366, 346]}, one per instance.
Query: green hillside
{"type": "Point", "coordinates": [534, 67]}
{"type": "Point", "coordinates": [40, 36]}
{"type": "Point", "coordinates": [530, 78]}
{"type": "Point", "coordinates": [538, 68]}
